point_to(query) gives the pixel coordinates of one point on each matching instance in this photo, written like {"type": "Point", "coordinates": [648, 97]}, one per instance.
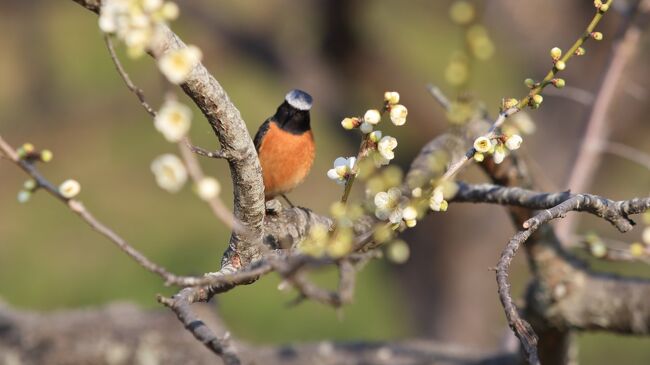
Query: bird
{"type": "Point", "coordinates": [285, 145]}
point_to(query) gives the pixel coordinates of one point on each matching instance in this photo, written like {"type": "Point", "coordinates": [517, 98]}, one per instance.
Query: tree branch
{"type": "Point", "coordinates": [127, 80]}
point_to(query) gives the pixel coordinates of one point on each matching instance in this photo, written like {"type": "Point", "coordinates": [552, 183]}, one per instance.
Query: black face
{"type": "Point", "coordinates": [291, 119]}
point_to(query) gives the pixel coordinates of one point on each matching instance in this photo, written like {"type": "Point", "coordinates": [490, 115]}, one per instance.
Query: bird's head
{"type": "Point", "coordinates": [293, 114]}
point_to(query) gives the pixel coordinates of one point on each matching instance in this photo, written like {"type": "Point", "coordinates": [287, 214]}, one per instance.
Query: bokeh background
{"type": "Point", "coordinates": [59, 90]}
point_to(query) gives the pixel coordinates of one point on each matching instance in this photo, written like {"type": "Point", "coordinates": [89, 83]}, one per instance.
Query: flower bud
{"type": "Point", "coordinates": [46, 155]}
{"type": "Point", "coordinates": [537, 99]}
{"type": "Point", "coordinates": [417, 193]}
{"type": "Point", "coordinates": [556, 53]}
{"type": "Point", "coordinates": [560, 65]}
{"type": "Point", "coordinates": [25, 150]}
{"type": "Point", "coordinates": [350, 123]}
{"type": "Point", "coordinates": [598, 249]}
{"type": "Point", "coordinates": [558, 83]}
{"type": "Point", "coordinates": [30, 185]}
{"type": "Point", "coordinates": [530, 83]}
{"type": "Point", "coordinates": [499, 154]}
{"type": "Point", "coordinates": [509, 103]}
{"type": "Point", "coordinates": [580, 51]}
{"type": "Point", "coordinates": [375, 136]}
{"type": "Point", "coordinates": [514, 142]}
{"type": "Point", "coordinates": [462, 12]}
{"type": "Point", "coordinates": [208, 188]}
{"type": "Point", "coordinates": [391, 97]}
{"type": "Point", "coordinates": [398, 114]}
{"type": "Point", "coordinates": [372, 116]}
{"type": "Point", "coordinates": [637, 249]}
{"type": "Point", "coordinates": [597, 36]}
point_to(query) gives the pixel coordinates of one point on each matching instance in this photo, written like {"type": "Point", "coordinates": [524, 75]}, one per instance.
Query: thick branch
{"type": "Point", "coordinates": [235, 141]}
{"type": "Point", "coordinates": [228, 125]}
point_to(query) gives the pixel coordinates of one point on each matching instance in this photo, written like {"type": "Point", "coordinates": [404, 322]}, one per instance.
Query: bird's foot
{"type": "Point", "coordinates": [273, 207]}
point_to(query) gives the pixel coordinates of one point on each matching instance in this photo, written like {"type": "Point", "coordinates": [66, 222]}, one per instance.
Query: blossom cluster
{"type": "Point", "coordinates": [139, 24]}
{"type": "Point", "coordinates": [381, 147]}
{"type": "Point", "coordinates": [498, 147]}
{"type": "Point", "coordinates": [68, 189]}
{"type": "Point", "coordinates": [136, 22]}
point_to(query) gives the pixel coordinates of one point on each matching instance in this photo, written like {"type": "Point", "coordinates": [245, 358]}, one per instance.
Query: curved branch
{"type": "Point", "coordinates": [616, 212]}
{"type": "Point", "coordinates": [227, 123]}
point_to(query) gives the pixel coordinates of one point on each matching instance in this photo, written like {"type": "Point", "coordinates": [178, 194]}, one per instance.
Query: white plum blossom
{"type": "Point", "coordinates": [69, 188]}
{"type": "Point", "coordinates": [385, 147]}
{"type": "Point", "coordinates": [437, 202]}
{"type": "Point", "coordinates": [135, 22]}
{"type": "Point", "coordinates": [514, 142]}
{"type": "Point", "coordinates": [151, 5]}
{"type": "Point", "coordinates": [398, 114]}
{"type": "Point", "coordinates": [389, 205]}
{"type": "Point", "coordinates": [343, 167]}
{"type": "Point", "coordinates": [482, 144]}
{"type": "Point", "coordinates": [410, 215]}
{"type": "Point", "coordinates": [170, 172]}
{"type": "Point", "coordinates": [372, 116]}
{"type": "Point", "coordinates": [417, 192]}
{"type": "Point", "coordinates": [398, 252]}
{"type": "Point", "coordinates": [177, 64]}
{"type": "Point", "coordinates": [499, 154]}
{"type": "Point", "coordinates": [208, 188]}
{"type": "Point", "coordinates": [173, 120]}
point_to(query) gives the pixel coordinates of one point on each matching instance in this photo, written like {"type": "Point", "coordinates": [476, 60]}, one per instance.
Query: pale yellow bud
{"type": "Point", "coordinates": [637, 249]}
{"type": "Point", "coordinates": [372, 116]}
{"type": "Point", "coordinates": [556, 53]}
{"type": "Point", "coordinates": [391, 97]}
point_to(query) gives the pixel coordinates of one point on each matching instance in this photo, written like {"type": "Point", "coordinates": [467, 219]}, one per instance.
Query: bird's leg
{"type": "Point", "coordinates": [288, 201]}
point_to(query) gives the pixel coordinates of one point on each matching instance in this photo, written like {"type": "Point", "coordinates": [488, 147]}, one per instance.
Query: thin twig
{"type": "Point", "coordinates": [77, 207]}
{"type": "Point", "coordinates": [440, 97]}
{"type": "Point", "coordinates": [193, 166]}
{"type": "Point", "coordinates": [206, 153]}
{"type": "Point", "coordinates": [456, 166]}
{"type": "Point", "coordinates": [127, 80]}
{"type": "Point", "coordinates": [588, 159]}
{"type": "Point", "coordinates": [216, 204]}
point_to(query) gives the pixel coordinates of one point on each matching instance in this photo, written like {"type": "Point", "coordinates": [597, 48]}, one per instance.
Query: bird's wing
{"type": "Point", "coordinates": [260, 134]}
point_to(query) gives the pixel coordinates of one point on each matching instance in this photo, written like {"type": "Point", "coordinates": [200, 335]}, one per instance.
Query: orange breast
{"type": "Point", "coordinates": [286, 159]}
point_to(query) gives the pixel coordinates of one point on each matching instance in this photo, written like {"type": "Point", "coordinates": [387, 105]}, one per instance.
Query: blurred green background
{"type": "Point", "coordinates": [59, 90]}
